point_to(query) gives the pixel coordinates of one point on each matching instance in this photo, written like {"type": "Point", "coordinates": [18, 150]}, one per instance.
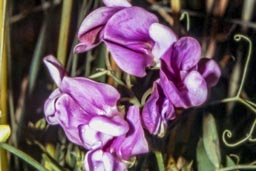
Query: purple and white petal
{"type": "Point", "coordinates": [196, 88]}
{"type": "Point", "coordinates": [163, 38]}
{"type": "Point", "coordinates": [95, 98]}
{"type": "Point", "coordinates": [115, 126]}
{"type": "Point", "coordinates": [134, 142]}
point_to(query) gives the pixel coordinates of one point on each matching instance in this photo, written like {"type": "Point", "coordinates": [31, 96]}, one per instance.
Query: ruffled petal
{"type": "Point", "coordinates": [111, 126]}
{"type": "Point", "coordinates": [157, 111]}
{"type": "Point", "coordinates": [163, 38]}
{"type": "Point", "coordinates": [96, 160]}
{"type": "Point", "coordinates": [93, 139]}
{"type": "Point", "coordinates": [196, 88]}
{"type": "Point", "coordinates": [70, 116]}
{"type": "Point", "coordinates": [90, 31]}
{"type": "Point", "coordinates": [55, 68]}
{"type": "Point", "coordinates": [117, 3]}
{"type": "Point", "coordinates": [95, 98]}
{"type": "Point", "coordinates": [210, 70]}
{"type": "Point", "coordinates": [134, 142]}
{"type": "Point", "coordinates": [49, 107]}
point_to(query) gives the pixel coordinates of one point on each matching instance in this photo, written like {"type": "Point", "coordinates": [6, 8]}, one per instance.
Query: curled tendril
{"type": "Point", "coordinates": [239, 37]}
{"type": "Point", "coordinates": [183, 15]}
{"type": "Point", "coordinates": [248, 137]}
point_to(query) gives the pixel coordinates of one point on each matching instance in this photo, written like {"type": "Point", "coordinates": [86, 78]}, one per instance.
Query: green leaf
{"type": "Point", "coordinates": [211, 140]}
{"type": "Point", "coordinates": [203, 162]}
{"type": "Point", "coordinates": [23, 156]}
{"type": "Point", "coordinates": [230, 162]}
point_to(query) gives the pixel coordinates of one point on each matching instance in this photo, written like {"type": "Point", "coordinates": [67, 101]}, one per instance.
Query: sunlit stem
{"type": "Point", "coordinates": [228, 133]}
{"type": "Point", "coordinates": [237, 38]}
{"type": "Point", "coordinates": [64, 31]}
{"type": "Point", "coordinates": [160, 160]}
{"type": "Point", "coordinates": [183, 15]}
{"type": "Point", "coordinates": [3, 76]}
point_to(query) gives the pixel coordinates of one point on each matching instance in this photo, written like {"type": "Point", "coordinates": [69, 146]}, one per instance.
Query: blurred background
{"type": "Point", "coordinates": [36, 28]}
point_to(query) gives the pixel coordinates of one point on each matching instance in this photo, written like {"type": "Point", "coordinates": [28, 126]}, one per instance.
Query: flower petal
{"type": "Point", "coordinates": [184, 54]}
{"type": "Point", "coordinates": [126, 35]}
{"type": "Point", "coordinates": [134, 142]}
{"type": "Point", "coordinates": [89, 33]}
{"type": "Point", "coordinates": [196, 88]}
{"type": "Point", "coordinates": [55, 68]}
{"type": "Point", "coordinates": [93, 139]}
{"type": "Point", "coordinates": [95, 98]}
{"type": "Point", "coordinates": [157, 111]}
{"type": "Point", "coordinates": [49, 107]}
{"type": "Point", "coordinates": [210, 70]}
{"type": "Point", "coordinates": [117, 3]}
{"type": "Point", "coordinates": [115, 126]}
{"type": "Point", "coordinates": [70, 116]}
{"type": "Point", "coordinates": [129, 60]}
{"type": "Point", "coordinates": [96, 160]}
{"type": "Point", "coordinates": [163, 36]}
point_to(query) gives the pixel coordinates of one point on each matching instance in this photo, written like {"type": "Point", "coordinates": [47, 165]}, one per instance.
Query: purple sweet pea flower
{"type": "Point", "coordinates": [133, 35]}
{"type": "Point", "coordinates": [114, 156]}
{"type": "Point", "coordinates": [184, 78]}
{"type": "Point", "coordinates": [80, 105]}
{"type": "Point", "coordinates": [157, 111]}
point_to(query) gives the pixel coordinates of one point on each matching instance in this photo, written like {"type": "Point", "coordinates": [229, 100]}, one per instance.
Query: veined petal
{"type": "Point", "coordinates": [127, 37]}
{"type": "Point", "coordinates": [177, 96]}
{"type": "Point", "coordinates": [89, 33]}
{"type": "Point", "coordinates": [184, 55]}
{"type": "Point", "coordinates": [196, 88]}
{"type": "Point", "coordinates": [70, 116]}
{"type": "Point", "coordinates": [134, 142]}
{"type": "Point", "coordinates": [163, 38]}
{"type": "Point", "coordinates": [117, 3]}
{"type": "Point", "coordinates": [129, 24]}
{"type": "Point", "coordinates": [210, 70]}
{"type": "Point", "coordinates": [55, 68]}
{"type": "Point", "coordinates": [95, 98]}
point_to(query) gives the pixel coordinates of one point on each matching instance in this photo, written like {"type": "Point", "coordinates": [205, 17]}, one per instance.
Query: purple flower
{"type": "Point", "coordinates": [185, 78]}
{"type": "Point", "coordinates": [114, 156]}
{"type": "Point", "coordinates": [80, 105]}
{"type": "Point", "coordinates": [157, 111]}
{"type": "Point", "coordinates": [184, 82]}
{"type": "Point", "coordinates": [133, 36]}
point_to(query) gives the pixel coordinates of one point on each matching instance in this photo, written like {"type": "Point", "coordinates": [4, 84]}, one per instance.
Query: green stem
{"type": "Point", "coordinates": [242, 167]}
{"type": "Point", "coordinates": [238, 37]}
{"type": "Point", "coordinates": [183, 15]}
{"type": "Point", "coordinates": [64, 31]}
{"type": "Point", "coordinates": [160, 160]}
{"type": "Point", "coordinates": [23, 156]}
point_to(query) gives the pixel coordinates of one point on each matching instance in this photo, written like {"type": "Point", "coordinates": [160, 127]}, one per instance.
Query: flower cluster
{"type": "Point", "coordinates": [87, 110]}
